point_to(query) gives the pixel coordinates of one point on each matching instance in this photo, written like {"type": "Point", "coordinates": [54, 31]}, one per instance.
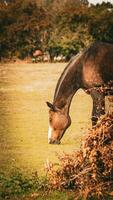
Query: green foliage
{"type": "Point", "coordinates": [61, 27]}
{"type": "Point", "coordinates": [101, 22]}
{"type": "Point", "coordinates": [18, 184]}
{"type": "Point", "coordinates": [21, 28]}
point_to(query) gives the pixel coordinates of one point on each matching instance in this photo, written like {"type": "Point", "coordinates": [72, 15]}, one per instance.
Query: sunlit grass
{"type": "Point", "coordinates": [24, 89]}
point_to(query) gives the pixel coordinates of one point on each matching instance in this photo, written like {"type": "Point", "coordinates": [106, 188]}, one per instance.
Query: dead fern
{"type": "Point", "coordinates": [89, 172]}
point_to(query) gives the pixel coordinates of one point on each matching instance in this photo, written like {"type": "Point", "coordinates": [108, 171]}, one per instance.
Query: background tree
{"type": "Point", "coordinates": [60, 27]}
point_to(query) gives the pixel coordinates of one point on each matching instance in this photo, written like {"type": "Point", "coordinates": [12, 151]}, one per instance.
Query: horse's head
{"type": "Point", "coordinates": [59, 121]}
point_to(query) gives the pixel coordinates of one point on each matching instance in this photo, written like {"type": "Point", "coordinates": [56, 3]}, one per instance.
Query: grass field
{"type": "Point", "coordinates": [24, 89]}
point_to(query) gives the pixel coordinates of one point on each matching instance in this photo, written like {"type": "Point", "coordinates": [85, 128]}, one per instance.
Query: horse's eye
{"type": "Point", "coordinates": [50, 120]}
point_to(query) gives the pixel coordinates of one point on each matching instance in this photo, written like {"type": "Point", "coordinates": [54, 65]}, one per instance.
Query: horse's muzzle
{"type": "Point", "coordinates": [51, 141]}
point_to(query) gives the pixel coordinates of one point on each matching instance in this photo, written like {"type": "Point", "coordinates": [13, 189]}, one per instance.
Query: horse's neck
{"type": "Point", "coordinates": [67, 86]}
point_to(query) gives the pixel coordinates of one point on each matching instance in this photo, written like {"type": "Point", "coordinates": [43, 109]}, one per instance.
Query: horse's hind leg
{"type": "Point", "coordinates": [98, 105]}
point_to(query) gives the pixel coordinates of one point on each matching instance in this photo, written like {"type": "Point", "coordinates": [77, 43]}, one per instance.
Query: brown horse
{"type": "Point", "coordinates": [88, 70]}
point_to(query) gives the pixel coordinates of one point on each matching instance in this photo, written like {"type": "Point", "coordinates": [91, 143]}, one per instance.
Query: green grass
{"type": "Point", "coordinates": [18, 186]}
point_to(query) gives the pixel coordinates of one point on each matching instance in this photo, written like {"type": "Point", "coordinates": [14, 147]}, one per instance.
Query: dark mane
{"type": "Point", "coordinates": [73, 61]}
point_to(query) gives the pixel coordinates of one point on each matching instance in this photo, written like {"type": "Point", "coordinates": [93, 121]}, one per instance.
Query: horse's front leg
{"type": "Point", "coordinates": [98, 105]}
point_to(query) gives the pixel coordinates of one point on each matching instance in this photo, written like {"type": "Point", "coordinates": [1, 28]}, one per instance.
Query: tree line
{"type": "Point", "coordinates": [58, 27]}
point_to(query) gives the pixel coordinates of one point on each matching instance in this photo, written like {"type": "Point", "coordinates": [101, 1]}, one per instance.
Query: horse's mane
{"type": "Point", "coordinates": [72, 61]}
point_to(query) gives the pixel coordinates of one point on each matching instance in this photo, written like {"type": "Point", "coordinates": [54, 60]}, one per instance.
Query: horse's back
{"type": "Point", "coordinates": [98, 64]}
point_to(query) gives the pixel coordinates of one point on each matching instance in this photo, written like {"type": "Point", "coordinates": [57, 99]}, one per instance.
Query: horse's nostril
{"type": "Point", "coordinates": [51, 141]}
{"type": "Point", "coordinates": [56, 142]}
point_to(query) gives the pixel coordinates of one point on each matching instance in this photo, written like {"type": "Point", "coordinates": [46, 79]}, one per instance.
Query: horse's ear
{"type": "Point", "coordinates": [51, 106]}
